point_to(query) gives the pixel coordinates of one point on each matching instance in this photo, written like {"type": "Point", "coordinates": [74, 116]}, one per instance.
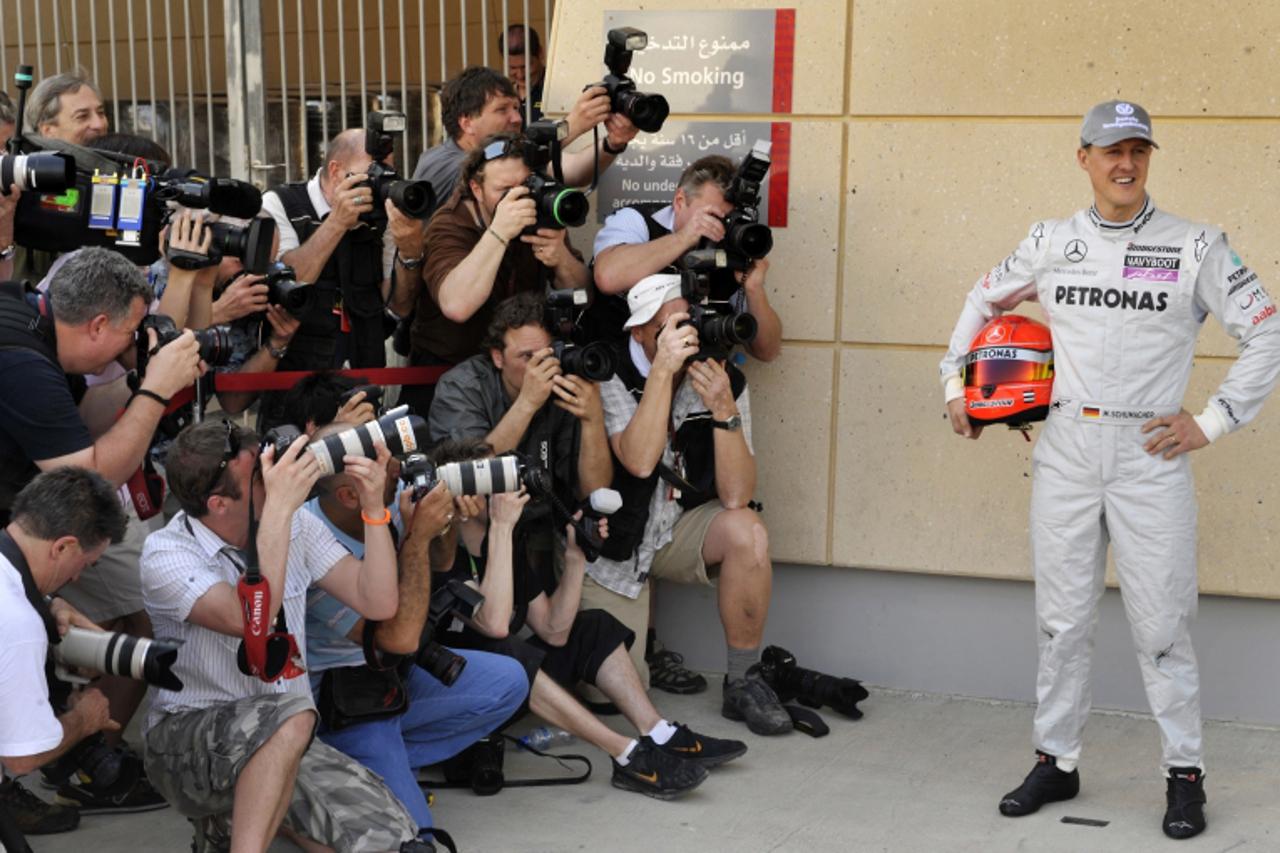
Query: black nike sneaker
{"type": "Point", "coordinates": [703, 749]}
{"type": "Point", "coordinates": [1044, 784]}
{"type": "Point", "coordinates": [656, 773]}
{"type": "Point", "coordinates": [1185, 799]}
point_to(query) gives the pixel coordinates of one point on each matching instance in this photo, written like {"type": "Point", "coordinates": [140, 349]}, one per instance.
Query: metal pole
{"type": "Point", "coordinates": [302, 93]}
{"type": "Point", "coordinates": [75, 39]}
{"type": "Point", "coordinates": [208, 88]}
{"type": "Point", "coordinates": [382, 49]}
{"type": "Point", "coordinates": [444, 49]}
{"type": "Point", "coordinates": [404, 94]}
{"type": "Point", "coordinates": [324, 86]}
{"type": "Point", "coordinates": [484, 32]}
{"type": "Point", "coordinates": [237, 131]}
{"type": "Point", "coordinates": [364, 83]}
{"type": "Point", "coordinates": [528, 101]}
{"type": "Point", "coordinates": [39, 43]}
{"type": "Point", "coordinates": [462, 29]}
{"type": "Point", "coordinates": [422, 72]}
{"type": "Point", "coordinates": [173, 103]}
{"type": "Point", "coordinates": [191, 89]}
{"type": "Point", "coordinates": [284, 90]}
{"type": "Point", "coordinates": [506, 37]}
{"type": "Point", "coordinates": [342, 63]}
{"type": "Point", "coordinates": [151, 71]}
{"type": "Point", "coordinates": [115, 86]}
{"type": "Point", "coordinates": [253, 130]}
{"type": "Point", "coordinates": [57, 39]}
{"type": "Point", "coordinates": [133, 78]}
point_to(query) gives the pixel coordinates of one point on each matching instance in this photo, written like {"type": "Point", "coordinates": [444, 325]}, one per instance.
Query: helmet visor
{"type": "Point", "coordinates": [1006, 365]}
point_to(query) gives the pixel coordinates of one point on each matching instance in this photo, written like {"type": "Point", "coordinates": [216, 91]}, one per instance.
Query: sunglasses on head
{"type": "Point", "coordinates": [230, 450]}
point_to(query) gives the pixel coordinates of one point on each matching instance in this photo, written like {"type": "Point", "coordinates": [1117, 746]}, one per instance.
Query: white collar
{"type": "Point", "coordinates": [638, 358]}
{"type": "Point", "coordinates": [317, 196]}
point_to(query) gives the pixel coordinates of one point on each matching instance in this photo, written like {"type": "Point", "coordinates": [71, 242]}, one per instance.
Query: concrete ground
{"type": "Point", "coordinates": [918, 773]}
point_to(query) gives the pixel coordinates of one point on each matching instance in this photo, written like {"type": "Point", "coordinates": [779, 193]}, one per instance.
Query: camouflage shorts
{"type": "Point", "coordinates": [194, 759]}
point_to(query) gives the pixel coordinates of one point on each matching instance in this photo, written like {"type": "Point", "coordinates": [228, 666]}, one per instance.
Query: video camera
{"type": "Point", "coordinates": [558, 206]}
{"type": "Point", "coordinates": [84, 197]}
{"type": "Point", "coordinates": [251, 243]}
{"type": "Point", "coordinates": [646, 111]}
{"type": "Point", "coordinates": [215, 341]}
{"type": "Point", "coordinates": [719, 327]}
{"type": "Point", "coordinates": [413, 198]}
{"type": "Point", "coordinates": [593, 361]}
{"type": "Point", "coordinates": [400, 431]}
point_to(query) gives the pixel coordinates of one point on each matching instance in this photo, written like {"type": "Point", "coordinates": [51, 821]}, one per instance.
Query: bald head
{"type": "Point", "coordinates": [343, 156]}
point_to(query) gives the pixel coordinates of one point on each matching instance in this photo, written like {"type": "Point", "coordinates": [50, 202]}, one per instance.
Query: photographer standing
{"type": "Point", "coordinates": [269, 769]}
{"type": "Point", "coordinates": [480, 253]}
{"type": "Point", "coordinates": [641, 240]}
{"type": "Point", "coordinates": [61, 523]}
{"type": "Point", "coordinates": [333, 240]}
{"type": "Point", "coordinates": [681, 429]}
{"type": "Point", "coordinates": [68, 107]}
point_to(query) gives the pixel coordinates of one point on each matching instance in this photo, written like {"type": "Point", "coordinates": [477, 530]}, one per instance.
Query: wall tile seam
{"type": "Point", "coordinates": [942, 348]}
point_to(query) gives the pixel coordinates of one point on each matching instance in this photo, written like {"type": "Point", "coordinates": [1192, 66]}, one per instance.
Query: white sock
{"type": "Point", "coordinates": [662, 732]}
{"type": "Point", "coordinates": [625, 758]}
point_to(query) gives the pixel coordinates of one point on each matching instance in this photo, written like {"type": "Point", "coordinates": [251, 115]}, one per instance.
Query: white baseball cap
{"type": "Point", "coordinates": [648, 295]}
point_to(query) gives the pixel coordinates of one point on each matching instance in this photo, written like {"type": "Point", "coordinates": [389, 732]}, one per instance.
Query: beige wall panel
{"type": "Point", "coordinates": [791, 432]}
{"type": "Point", "coordinates": [995, 57]}
{"type": "Point", "coordinates": [933, 205]}
{"type": "Point", "coordinates": [577, 49]}
{"type": "Point", "coordinates": [912, 496]}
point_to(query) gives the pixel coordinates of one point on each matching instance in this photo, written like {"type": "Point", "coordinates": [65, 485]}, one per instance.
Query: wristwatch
{"type": "Point", "coordinates": [8, 251]}
{"type": "Point", "coordinates": [732, 424]}
{"type": "Point", "coordinates": [411, 263]}
{"type": "Point", "coordinates": [609, 149]}
{"type": "Point", "coordinates": [277, 352]}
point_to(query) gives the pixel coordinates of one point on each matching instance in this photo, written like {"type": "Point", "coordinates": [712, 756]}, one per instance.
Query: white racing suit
{"type": "Point", "coordinates": [1125, 303]}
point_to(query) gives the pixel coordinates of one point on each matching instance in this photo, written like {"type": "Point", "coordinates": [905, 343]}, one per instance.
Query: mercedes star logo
{"type": "Point", "coordinates": [1076, 251]}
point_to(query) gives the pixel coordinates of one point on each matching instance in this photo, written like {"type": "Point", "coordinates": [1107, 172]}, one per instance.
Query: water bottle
{"type": "Point", "coordinates": [544, 738]}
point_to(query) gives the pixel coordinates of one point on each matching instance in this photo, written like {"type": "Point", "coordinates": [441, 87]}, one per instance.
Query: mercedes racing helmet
{"type": "Point", "coordinates": [1008, 373]}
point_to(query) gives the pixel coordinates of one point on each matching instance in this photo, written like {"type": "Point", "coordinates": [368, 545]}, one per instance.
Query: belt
{"type": "Point", "coordinates": [1106, 413]}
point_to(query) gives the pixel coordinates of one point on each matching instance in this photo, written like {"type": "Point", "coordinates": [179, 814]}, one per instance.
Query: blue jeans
{"type": "Point", "coordinates": [440, 723]}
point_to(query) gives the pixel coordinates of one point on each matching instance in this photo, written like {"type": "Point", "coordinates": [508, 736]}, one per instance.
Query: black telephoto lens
{"type": "Point", "coordinates": [414, 198]}
{"type": "Point", "coordinates": [750, 239]}
{"type": "Point", "coordinates": [646, 111]}
{"type": "Point", "coordinates": [731, 330]}
{"type": "Point", "coordinates": [215, 345]}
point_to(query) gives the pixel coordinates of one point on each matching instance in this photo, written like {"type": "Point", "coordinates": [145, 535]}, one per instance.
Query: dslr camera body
{"type": "Point", "coordinates": [646, 111]}
{"type": "Point", "coordinates": [284, 289]}
{"type": "Point", "coordinates": [592, 361]}
{"type": "Point", "coordinates": [215, 341]}
{"type": "Point", "coordinates": [558, 206]}
{"type": "Point", "coordinates": [720, 328]}
{"type": "Point", "coordinates": [413, 198]}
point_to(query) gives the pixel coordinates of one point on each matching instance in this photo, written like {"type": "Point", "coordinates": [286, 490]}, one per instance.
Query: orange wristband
{"type": "Point", "coordinates": [377, 522]}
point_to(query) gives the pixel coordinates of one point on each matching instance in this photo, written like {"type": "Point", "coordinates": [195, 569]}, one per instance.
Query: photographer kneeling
{"type": "Point", "coordinates": [61, 523]}
{"type": "Point", "coordinates": [435, 721]}
{"type": "Point", "coordinates": [236, 747]}
{"type": "Point", "coordinates": [568, 645]}
{"type": "Point", "coordinates": [680, 425]}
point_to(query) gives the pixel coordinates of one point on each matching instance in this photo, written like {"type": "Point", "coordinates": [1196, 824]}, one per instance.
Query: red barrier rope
{"type": "Point", "coordinates": [286, 379]}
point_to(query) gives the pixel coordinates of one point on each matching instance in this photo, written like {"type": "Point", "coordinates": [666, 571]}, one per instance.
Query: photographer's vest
{"type": "Point", "coordinates": [605, 319]}
{"type": "Point", "coordinates": [694, 441]}
{"type": "Point", "coordinates": [25, 326]}
{"type": "Point", "coordinates": [351, 277]}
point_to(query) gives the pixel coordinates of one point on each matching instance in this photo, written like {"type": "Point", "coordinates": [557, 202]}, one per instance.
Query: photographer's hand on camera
{"type": "Point", "coordinates": [188, 293]}
{"type": "Point", "coordinates": [283, 327]}
{"type": "Point", "coordinates": [66, 616]}
{"type": "Point", "coordinates": [735, 465]}
{"type": "Point", "coordinates": [676, 345]}
{"type": "Point", "coordinates": [242, 297]}
{"type": "Point", "coordinates": [91, 710]}
{"type": "Point", "coordinates": [288, 480]}
{"type": "Point", "coordinates": [408, 234]}
{"type": "Point", "coordinates": [711, 382]}
{"type": "Point", "coordinates": [579, 397]}
{"type": "Point", "coordinates": [371, 481]}
{"type": "Point", "coordinates": [514, 213]}
{"type": "Point", "coordinates": [703, 223]}
{"type": "Point", "coordinates": [505, 509]}
{"type": "Point", "coordinates": [355, 411]}
{"type": "Point", "coordinates": [619, 131]}
{"type": "Point", "coordinates": [174, 366]}
{"type": "Point", "coordinates": [539, 379]}
{"type": "Point", "coordinates": [432, 515]}
{"type": "Point", "coordinates": [8, 207]}
{"type": "Point", "coordinates": [550, 247]}
{"type": "Point", "coordinates": [590, 109]}
{"type": "Point", "coordinates": [352, 198]}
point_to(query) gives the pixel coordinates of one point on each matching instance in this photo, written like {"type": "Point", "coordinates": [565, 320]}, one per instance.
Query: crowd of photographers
{"type": "Point", "coordinates": [434, 569]}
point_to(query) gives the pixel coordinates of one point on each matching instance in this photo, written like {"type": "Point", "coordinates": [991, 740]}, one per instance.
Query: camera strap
{"type": "Point", "coordinates": [14, 555]}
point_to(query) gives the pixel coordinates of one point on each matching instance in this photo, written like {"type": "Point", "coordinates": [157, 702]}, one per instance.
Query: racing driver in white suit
{"type": "Point", "coordinates": [1126, 287]}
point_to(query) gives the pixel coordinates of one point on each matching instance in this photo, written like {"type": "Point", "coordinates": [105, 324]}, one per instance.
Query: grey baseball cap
{"type": "Point", "coordinates": [1113, 121]}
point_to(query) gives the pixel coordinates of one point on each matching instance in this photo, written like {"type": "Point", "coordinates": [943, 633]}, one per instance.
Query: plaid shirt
{"type": "Point", "coordinates": [627, 577]}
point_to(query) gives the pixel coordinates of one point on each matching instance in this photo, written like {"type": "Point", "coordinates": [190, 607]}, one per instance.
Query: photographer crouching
{"type": "Point", "coordinates": [61, 523]}
{"type": "Point", "coordinates": [269, 773]}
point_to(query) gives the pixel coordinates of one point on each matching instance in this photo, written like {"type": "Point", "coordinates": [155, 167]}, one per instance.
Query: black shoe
{"type": "Point", "coordinates": [33, 815]}
{"type": "Point", "coordinates": [750, 699]}
{"type": "Point", "coordinates": [703, 749]}
{"type": "Point", "coordinates": [1044, 784]}
{"type": "Point", "coordinates": [140, 798]}
{"type": "Point", "coordinates": [1184, 794]}
{"type": "Point", "coordinates": [656, 773]}
{"type": "Point", "coordinates": [667, 672]}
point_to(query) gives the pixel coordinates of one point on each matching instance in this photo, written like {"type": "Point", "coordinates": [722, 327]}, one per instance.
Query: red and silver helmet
{"type": "Point", "coordinates": [1008, 373]}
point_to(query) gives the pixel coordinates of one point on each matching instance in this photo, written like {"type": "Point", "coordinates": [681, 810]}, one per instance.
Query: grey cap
{"type": "Point", "coordinates": [1113, 121]}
